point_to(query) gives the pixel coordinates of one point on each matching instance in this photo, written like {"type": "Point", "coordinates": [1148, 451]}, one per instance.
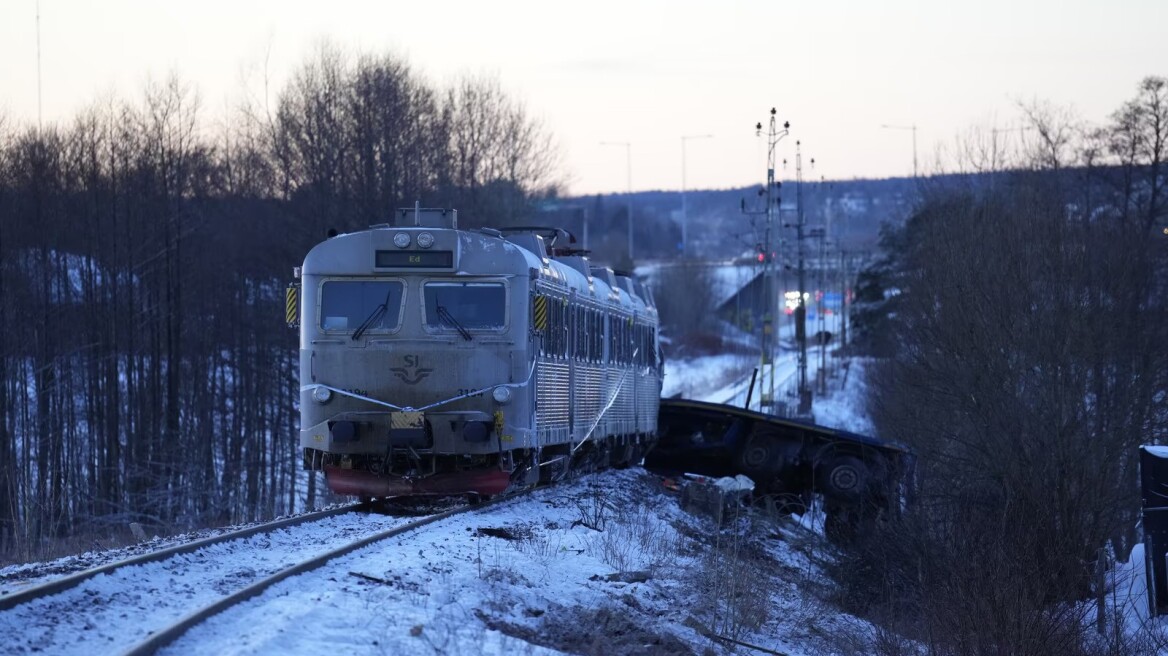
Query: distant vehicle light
{"type": "Point", "coordinates": [425, 240]}
{"type": "Point", "coordinates": [401, 239]}
{"type": "Point", "coordinates": [322, 394]}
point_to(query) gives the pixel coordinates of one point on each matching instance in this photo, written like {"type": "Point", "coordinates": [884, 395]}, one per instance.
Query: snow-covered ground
{"type": "Point", "coordinates": [843, 407]}
{"type": "Point", "coordinates": [122, 607]}
{"type": "Point", "coordinates": [608, 564]}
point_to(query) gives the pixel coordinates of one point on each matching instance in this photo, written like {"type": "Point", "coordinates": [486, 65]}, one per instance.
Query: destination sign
{"type": "Point", "coordinates": [415, 259]}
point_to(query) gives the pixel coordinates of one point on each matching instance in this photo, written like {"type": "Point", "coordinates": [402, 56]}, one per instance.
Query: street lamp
{"type": "Point", "coordinates": [912, 127]}
{"type": "Point", "coordinates": [684, 215]}
{"type": "Point", "coordinates": [629, 175]}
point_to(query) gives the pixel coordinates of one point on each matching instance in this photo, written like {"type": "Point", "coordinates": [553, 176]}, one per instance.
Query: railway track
{"type": "Point", "coordinates": [169, 591]}
{"type": "Point", "coordinates": [13, 599]}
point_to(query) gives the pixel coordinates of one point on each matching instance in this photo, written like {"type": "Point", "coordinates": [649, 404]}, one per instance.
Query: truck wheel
{"type": "Point", "coordinates": [760, 455]}
{"type": "Point", "coordinates": [845, 477]}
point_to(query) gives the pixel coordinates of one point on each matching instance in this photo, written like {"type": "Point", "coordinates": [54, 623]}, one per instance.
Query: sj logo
{"type": "Point", "coordinates": [412, 373]}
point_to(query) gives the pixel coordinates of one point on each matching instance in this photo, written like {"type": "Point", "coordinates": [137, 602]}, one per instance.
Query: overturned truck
{"type": "Point", "coordinates": [860, 478]}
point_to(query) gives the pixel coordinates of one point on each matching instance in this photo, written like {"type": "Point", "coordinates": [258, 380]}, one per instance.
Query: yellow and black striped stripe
{"type": "Point", "coordinates": [292, 300]}
{"type": "Point", "coordinates": [541, 313]}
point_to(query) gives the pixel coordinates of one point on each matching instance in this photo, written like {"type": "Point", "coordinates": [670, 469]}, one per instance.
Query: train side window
{"type": "Point", "coordinates": [624, 340]}
{"type": "Point", "coordinates": [556, 324]}
{"type": "Point", "coordinates": [573, 332]}
{"type": "Point", "coordinates": [629, 346]}
{"type": "Point", "coordinates": [599, 336]}
{"type": "Point", "coordinates": [616, 347]}
{"type": "Point", "coordinates": [620, 339]}
{"type": "Point", "coordinates": [562, 328]}
{"type": "Point", "coordinates": [553, 332]}
{"type": "Point", "coordinates": [565, 330]}
{"type": "Point", "coordinates": [611, 338]}
{"type": "Point", "coordinates": [582, 349]}
{"type": "Point", "coordinates": [594, 343]}
{"type": "Point", "coordinates": [574, 349]}
{"type": "Point", "coordinates": [588, 334]}
{"type": "Point", "coordinates": [591, 319]}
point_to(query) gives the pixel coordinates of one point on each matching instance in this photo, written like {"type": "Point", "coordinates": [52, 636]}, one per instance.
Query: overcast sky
{"type": "Point", "coordinates": [633, 71]}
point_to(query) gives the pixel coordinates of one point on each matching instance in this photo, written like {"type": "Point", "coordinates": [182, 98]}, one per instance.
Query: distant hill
{"type": "Point", "coordinates": [717, 226]}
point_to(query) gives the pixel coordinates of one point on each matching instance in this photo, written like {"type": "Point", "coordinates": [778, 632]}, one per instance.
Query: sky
{"type": "Point", "coordinates": [642, 72]}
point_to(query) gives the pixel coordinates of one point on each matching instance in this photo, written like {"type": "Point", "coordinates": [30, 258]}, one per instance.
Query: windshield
{"type": "Point", "coordinates": [465, 305]}
{"type": "Point", "coordinates": [346, 304]}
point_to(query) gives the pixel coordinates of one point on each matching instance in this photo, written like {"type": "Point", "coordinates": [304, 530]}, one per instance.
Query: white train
{"type": "Point", "coordinates": [435, 360]}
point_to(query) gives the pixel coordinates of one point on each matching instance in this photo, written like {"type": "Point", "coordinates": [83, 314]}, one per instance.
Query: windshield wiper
{"type": "Point", "coordinates": [445, 315]}
{"type": "Point", "coordinates": [373, 318]}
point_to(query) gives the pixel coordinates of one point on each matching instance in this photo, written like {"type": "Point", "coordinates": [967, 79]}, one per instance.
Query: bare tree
{"type": "Point", "coordinates": [1026, 373]}
{"type": "Point", "coordinates": [145, 372]}
{"type": "Point", "coordinates": [312, 141]}
{"type": "Point", "coordinates": [499, 156]}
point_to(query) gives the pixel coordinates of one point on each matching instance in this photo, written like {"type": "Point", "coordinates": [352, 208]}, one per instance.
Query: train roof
{"type": "Point", "coordinates": [475, 252]}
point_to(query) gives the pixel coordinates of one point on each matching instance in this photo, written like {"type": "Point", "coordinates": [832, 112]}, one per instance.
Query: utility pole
{"type": "Point", "coordinates": [822, 304]}
{"type": "Point", "coordinates": [770, 289]}
{"type": "Point", "coordinates": [843, 298]}
{"type": "Point", "coordinates": [912, 127]}
{"type": "Point", "coordinates": [801, 310]}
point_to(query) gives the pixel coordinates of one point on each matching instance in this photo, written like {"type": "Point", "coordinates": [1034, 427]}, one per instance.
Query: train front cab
{"type": "Point", "coordinates": [427, 386]}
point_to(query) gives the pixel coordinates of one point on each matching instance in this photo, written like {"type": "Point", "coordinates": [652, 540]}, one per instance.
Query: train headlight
{"type": "Point", "coordinates": [401, 239]}
{"type": "Point", "coordinates": [425, 240]}
{"type": "Point", "coordinates": [501, 394]}
{"type": "Point", "coordinates": [322, 394]}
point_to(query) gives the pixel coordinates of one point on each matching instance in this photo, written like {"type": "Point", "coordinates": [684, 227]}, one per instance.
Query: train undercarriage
{"type": "Point", "coordinates": [408, 472]}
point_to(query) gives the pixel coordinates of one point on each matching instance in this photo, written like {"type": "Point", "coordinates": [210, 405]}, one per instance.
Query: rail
{"type": "Point", "coordinates": [165, 637]}
{"type": "Point", "coordinates": [56, 586]}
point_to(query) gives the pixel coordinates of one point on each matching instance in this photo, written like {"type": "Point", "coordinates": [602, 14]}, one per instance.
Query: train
{"type": "Point", "coordinates": [436, 360]}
